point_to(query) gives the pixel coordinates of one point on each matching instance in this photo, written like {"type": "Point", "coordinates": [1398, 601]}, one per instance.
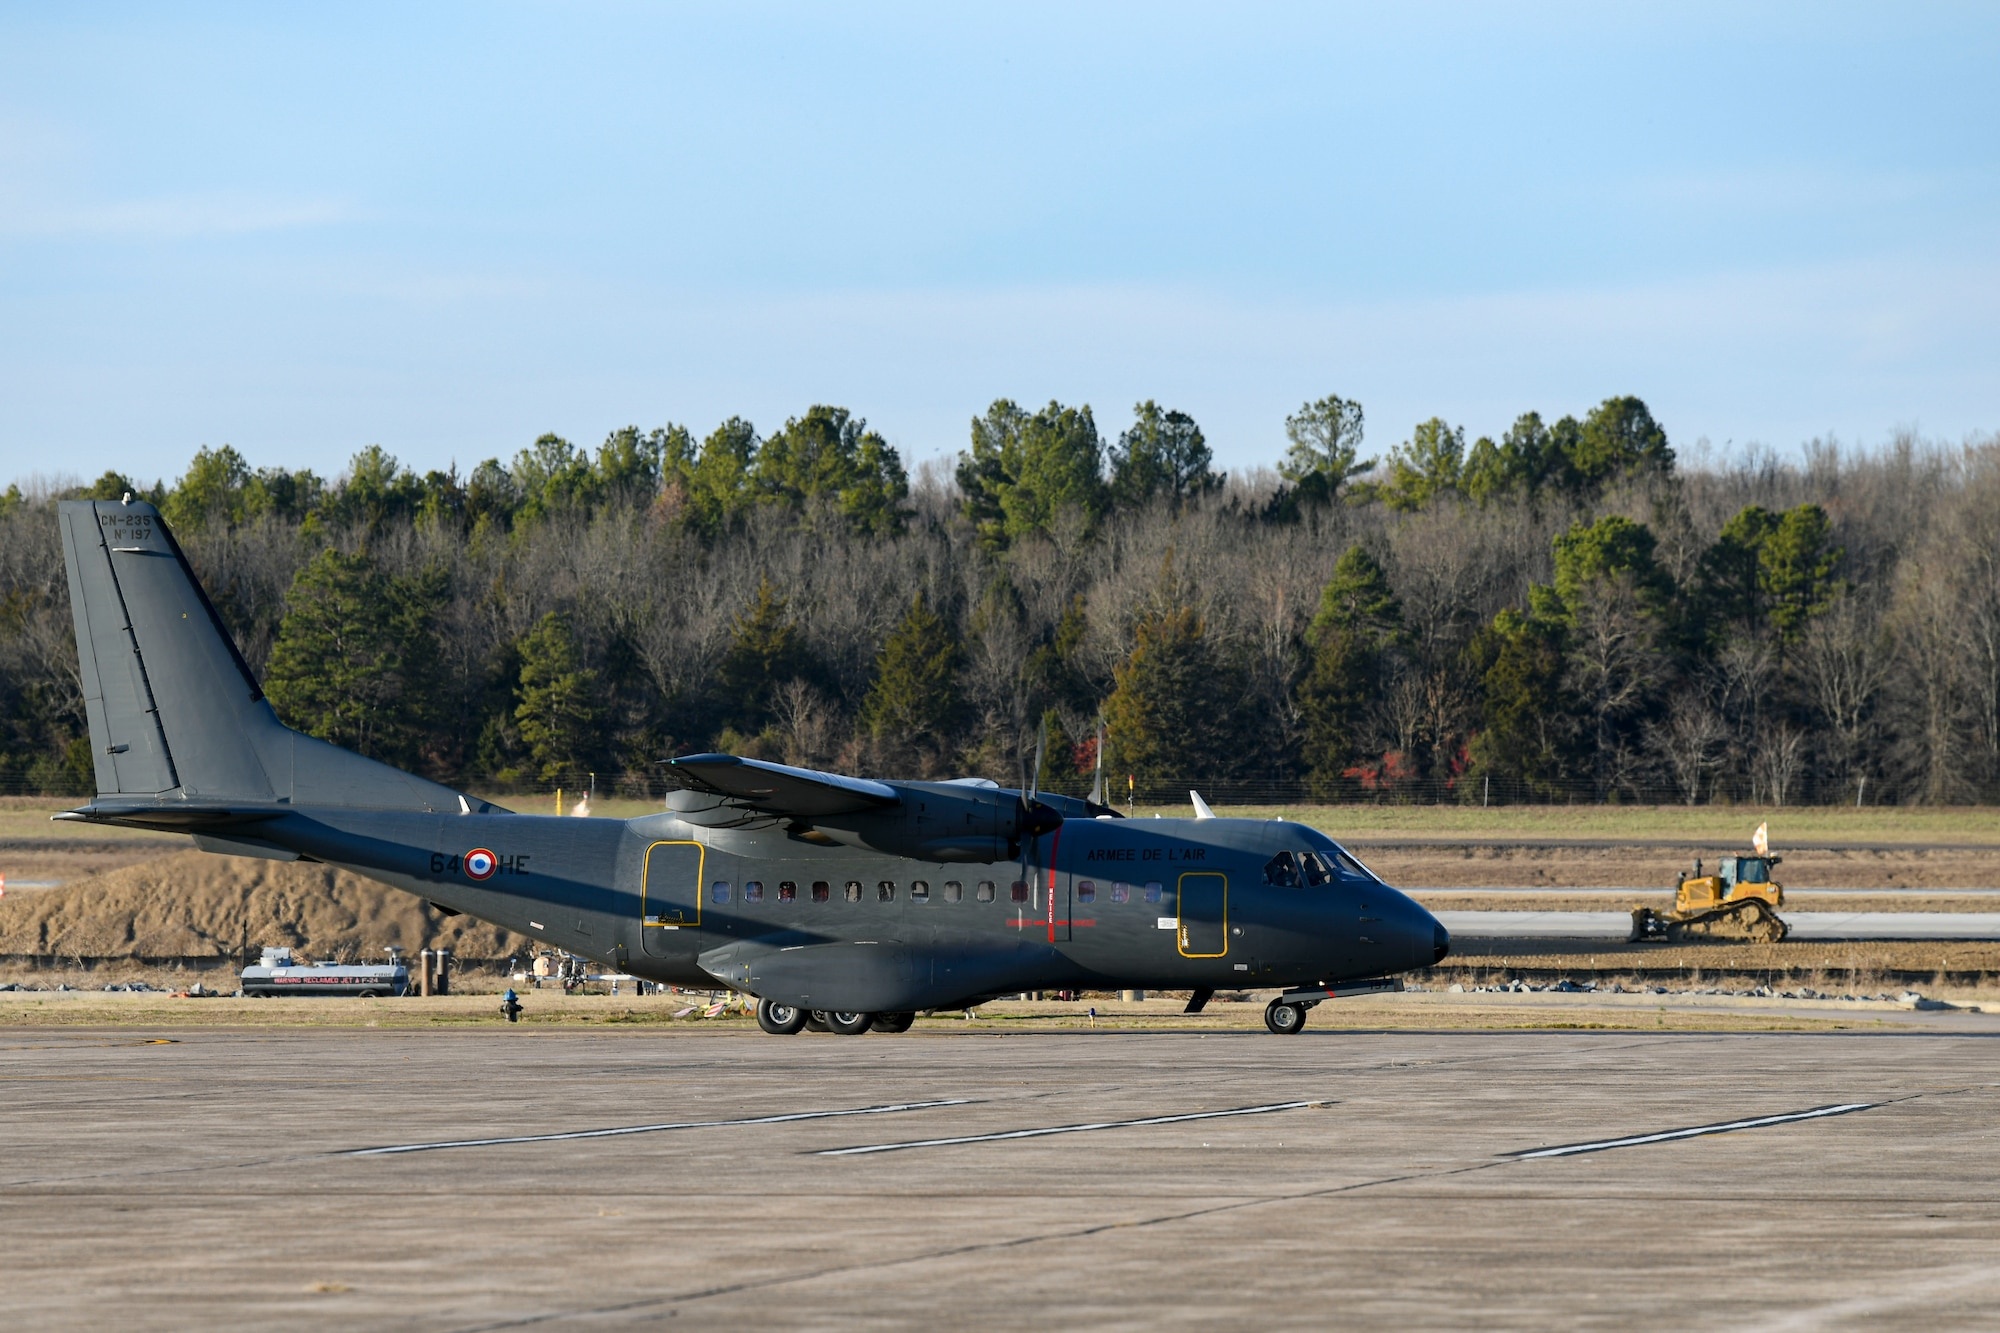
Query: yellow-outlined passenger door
{"type": "Point", "coordinates": [670, 888]}
{"type": "Point", "coordinates": [1202, 913]}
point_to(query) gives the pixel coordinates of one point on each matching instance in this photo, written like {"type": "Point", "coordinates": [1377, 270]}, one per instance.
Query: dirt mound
{"type": "Point", "coordinates": [196, 905]}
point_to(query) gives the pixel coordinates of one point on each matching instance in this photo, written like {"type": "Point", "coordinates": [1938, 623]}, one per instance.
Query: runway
{"type": "Point", "coordinates": [505, 1178]}
{"type": "Point", "coordinates": [1804, 925]}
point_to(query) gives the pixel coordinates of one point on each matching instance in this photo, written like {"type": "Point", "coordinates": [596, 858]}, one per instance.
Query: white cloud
{"type": "Point", "coordinates": [168, 217]}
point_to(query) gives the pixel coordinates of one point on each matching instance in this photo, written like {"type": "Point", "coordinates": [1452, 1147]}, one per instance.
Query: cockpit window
{"type": "Point", "coordinates": [1347, 867]}
{"type": "Point", "coordinates": [1282, 870]}
{"type": "Point", "coordinates": [1292, 870]}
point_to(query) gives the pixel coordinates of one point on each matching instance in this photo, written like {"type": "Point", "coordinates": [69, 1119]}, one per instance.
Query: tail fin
{"type": "Point", "coordinates": [176, 715]}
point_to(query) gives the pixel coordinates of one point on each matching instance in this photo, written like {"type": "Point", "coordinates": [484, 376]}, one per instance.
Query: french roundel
{"type": "Point", "coordinates": [480, 863]}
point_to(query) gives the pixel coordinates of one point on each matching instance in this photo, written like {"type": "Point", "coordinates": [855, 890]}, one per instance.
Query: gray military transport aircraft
{"type": "Point", "coordinates": [844, 903]}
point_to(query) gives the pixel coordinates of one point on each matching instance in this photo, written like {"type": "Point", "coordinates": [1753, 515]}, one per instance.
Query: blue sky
{"type": "Point", "coordinates": [447, 229]}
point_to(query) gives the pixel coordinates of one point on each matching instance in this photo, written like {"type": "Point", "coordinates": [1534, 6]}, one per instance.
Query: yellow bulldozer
{"type": "Point", "coordinates": [1739, 901]}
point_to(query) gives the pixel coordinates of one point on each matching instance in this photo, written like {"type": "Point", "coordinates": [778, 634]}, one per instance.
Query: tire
{"type": "Point", "coordinates": [816, 1021]}
{"type": "Point", "coordinates": [780, 1020]}
{"type": "Point", "coordinates": [848, 1024]}
{"type": "Point", "coordinates": [373, 994]}
{"type": "Point", "coordinates": [893, 1023]}
{"type": "Point", "coordinates": [1285, 1019]}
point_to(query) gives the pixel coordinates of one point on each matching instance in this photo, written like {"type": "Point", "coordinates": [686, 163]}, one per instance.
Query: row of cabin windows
{"type": "Point", "coordinates": [950, 891]}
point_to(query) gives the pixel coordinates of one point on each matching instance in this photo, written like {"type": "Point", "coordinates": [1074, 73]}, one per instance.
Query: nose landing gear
{"type": "Point", "coordinates": [1287, 1013]}
{"type": "Point", "coordinates": [1283, 1018]}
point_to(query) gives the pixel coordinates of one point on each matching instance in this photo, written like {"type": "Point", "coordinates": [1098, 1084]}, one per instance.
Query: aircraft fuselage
{"type": "Point", "coordinates": [1154, 904]}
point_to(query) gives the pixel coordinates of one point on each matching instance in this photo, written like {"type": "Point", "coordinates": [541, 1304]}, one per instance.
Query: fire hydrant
{"type": "Point", "coordinates": [510, 1005]}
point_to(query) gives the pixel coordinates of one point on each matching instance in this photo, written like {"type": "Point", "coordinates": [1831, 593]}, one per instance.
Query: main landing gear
{"type": "Point", "coordinates": [782, 1020]}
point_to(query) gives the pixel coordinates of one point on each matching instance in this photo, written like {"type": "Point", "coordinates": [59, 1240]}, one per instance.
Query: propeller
{"type": "Point", "coordinates": [1036, 817]}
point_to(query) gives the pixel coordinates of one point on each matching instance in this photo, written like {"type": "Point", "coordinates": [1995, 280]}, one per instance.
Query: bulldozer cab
{"type": "Point", "coordinates": [1734, 870]}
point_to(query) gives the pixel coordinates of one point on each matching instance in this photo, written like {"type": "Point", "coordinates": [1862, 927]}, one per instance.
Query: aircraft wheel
{"type": "Point", "coordinates": [1284, 1019]}
{"type": "Point", "coordinates": [780, 1020]}
{"type": "Point", "coordinates": [816, 1021]}
{"type": "Point", "coordinates": [894, 1022]}
{"type": "Point", "coordinates": [848, 1024]}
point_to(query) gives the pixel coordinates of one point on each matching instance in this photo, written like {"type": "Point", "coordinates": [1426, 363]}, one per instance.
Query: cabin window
{"type": "Point", "coordinates": [719, 890]}
{"type": "Point", "coordinates": [886, 891]}
{"type": "Point", "coordinates": [1121, 893]}
{"type": "Point", "coordinates": [1019, 891]}
{"type": "Point", "coordinates": [821, 890]}
{"type": "Point", "coordinates": [920, 890]}
{"type": "Point", "coordinates": [1086, 891]}
{"type": "Point", "coordinates": [985, 891]}
{"type": "Point", "coordinates": [1316, 871]}
{"type": "Point", "coordinates": [1152, 891]}
{"type": "Point", "coordinates": [854, 890]}
{"type": "Point", "coordinates": [753, 890]}
{"type": "Point", "coordinates": [787, 891]}
{"type": "Point", "coordinates": [953, 891]}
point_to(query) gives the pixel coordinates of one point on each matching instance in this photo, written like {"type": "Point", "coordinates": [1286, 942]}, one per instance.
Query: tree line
{"type": "Point", "coordinates": [1563, 611]}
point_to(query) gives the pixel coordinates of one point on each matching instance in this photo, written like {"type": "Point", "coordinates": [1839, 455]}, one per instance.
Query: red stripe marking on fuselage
{"type": "Point", "coordinates": [1055, 852]}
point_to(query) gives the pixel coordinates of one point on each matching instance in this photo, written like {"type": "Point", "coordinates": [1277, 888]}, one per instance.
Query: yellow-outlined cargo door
{"type": "Point", "coordinates": [670, 889]}
{"type": "Point", "coordinates": [1202, 910]}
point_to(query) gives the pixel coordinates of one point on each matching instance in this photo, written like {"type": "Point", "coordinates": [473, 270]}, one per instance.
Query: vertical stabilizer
{"type": "Point", "coordinates": [126, 741]}
{"type": "Point", "coordinates": [175, 712]}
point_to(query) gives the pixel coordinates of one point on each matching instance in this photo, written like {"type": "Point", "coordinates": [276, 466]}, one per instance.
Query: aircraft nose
{"type": "Point", "coordinates": [1426, 938]}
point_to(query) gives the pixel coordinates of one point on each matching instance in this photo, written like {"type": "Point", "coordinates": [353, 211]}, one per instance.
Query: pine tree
{"type": "Point", "coordinates": [350, 660]}
{"type": "Point", "coordinates": [1358, 619]}
{"type": "Point", "coordinates": [558, 711]}
{"type": "Point", "coordinates": [765, 651]}
{"type": "Point", "coordinates": [913, 702]}
{"type": "Point", "coordinates": [1174, 711]}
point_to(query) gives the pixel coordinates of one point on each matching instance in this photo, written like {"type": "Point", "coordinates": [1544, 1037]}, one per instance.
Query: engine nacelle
{"type": "Point", "coordinates": [945, 821]}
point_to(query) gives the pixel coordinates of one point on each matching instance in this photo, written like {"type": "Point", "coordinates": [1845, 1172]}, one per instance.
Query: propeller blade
{"type": "Point", "coordinates": [1097, 781]}
{"type": "Point", "coordinates": [1035, 778]}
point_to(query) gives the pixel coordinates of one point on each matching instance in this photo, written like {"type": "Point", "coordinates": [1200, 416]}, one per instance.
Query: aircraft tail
{"type": "Point", "coordinates": [177, 718]}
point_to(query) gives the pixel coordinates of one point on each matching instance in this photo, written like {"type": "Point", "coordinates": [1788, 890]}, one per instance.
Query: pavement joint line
{"type": "Point", "coordinates": [621, 1130]}
{"type": "Point", "coordinates": [1692, 1132]}
{"type": "Point", "coordinates": [1016, 1242]}
{"type": "Point", "coordinates": [1086, 1128]}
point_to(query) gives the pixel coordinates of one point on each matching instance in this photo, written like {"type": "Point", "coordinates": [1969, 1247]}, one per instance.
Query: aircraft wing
{"type": "Point", "coordinates": [778, 789]}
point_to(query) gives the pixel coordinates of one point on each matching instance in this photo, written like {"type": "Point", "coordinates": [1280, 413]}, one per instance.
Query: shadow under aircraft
{"type": "Point", "coordinates": [838, 902]}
